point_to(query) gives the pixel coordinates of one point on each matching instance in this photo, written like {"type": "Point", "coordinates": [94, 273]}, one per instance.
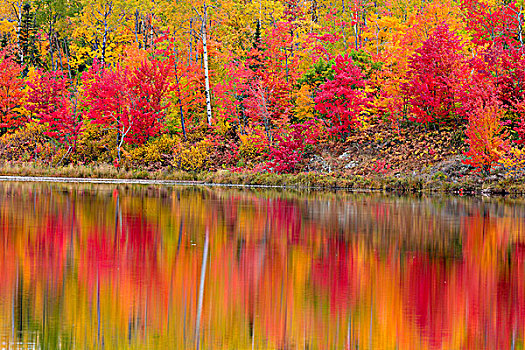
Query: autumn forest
{"type": "Point", "coordinates": [360, 87]}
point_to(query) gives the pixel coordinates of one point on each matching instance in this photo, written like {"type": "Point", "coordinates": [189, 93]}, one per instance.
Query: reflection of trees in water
{"type": "Point", "coordinates": [121, 266]}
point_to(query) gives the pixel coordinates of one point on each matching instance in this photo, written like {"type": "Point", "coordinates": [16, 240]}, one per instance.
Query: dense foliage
{"type": "Point", "coordinates": [269, 86]}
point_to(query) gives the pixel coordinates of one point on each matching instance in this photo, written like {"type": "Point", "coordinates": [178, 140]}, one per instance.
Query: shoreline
{"type": "Point", "coordinates": [121, 181]}
{"type": "Point", "coordinates": [126, 181]}
{"type": "Point", "coordinates": [308, 181]}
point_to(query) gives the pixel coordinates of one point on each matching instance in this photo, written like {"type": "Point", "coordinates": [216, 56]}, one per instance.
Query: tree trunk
{"type": "Point", "coordinates": [50, 36]}
{"type": "Point", "coordinates": [190, 41]}
{"type": "Point", "coordinates": [314, 11]}
{"type": "Point", "coordinates": [205, 59]}
{"type": "Point", "coordinates": [66, 53]}
{"type": "Point", "coordinates": [18, 13]}
{"type": "Point", "coordinates": [104, 40]}
{"type": "Point", "coordinates": [137, 28]}
{"type": "Point", "coordinates": [179, 99]}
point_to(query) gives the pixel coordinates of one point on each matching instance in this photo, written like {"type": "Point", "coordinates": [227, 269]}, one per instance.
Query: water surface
{"type": "Point", "coordinates": [136, 267]}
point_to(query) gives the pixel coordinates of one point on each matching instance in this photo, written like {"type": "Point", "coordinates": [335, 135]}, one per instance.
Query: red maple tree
{"type": "Point", "coordinates": [343, 99]}
{"type": "Point", "coordinates": [11, 92]}
{"type": "Point", "coordinates": [129, 101]}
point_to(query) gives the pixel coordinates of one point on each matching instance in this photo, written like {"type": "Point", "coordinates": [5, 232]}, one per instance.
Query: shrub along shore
{"type": "Point", "coordinates": [437, 183]}
{"type": "Point", "coordinates": [410, 160]}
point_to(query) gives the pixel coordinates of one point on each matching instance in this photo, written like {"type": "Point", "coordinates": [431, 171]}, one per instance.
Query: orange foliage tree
{"type": "Point", "coordinates": [486, 139]}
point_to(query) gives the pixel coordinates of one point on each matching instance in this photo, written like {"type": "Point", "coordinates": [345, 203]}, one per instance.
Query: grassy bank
{"type": "Point", "coordinates": [409, 184]}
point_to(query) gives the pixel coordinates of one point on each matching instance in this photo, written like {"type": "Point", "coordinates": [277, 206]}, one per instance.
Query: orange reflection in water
{"type": "Point", "coordinates": [93, 267]}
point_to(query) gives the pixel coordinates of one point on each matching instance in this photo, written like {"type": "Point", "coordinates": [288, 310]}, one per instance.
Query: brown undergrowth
{"type": "Point", "coordinates": [378, 150]}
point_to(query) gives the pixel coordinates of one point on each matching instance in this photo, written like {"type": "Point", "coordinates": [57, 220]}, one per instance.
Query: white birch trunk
{"type": "Point", "coordinates": [205, 59]}
{"type": "Point", "coordinates": [18, 13]}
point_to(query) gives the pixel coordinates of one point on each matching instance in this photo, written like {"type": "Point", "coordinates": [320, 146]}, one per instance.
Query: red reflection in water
{"type": "Point", "coordinates": [123, 267]}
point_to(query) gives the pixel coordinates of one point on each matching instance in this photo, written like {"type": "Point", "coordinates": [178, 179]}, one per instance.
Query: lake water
{"type": "Point", "coordinates": [130, 267]}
